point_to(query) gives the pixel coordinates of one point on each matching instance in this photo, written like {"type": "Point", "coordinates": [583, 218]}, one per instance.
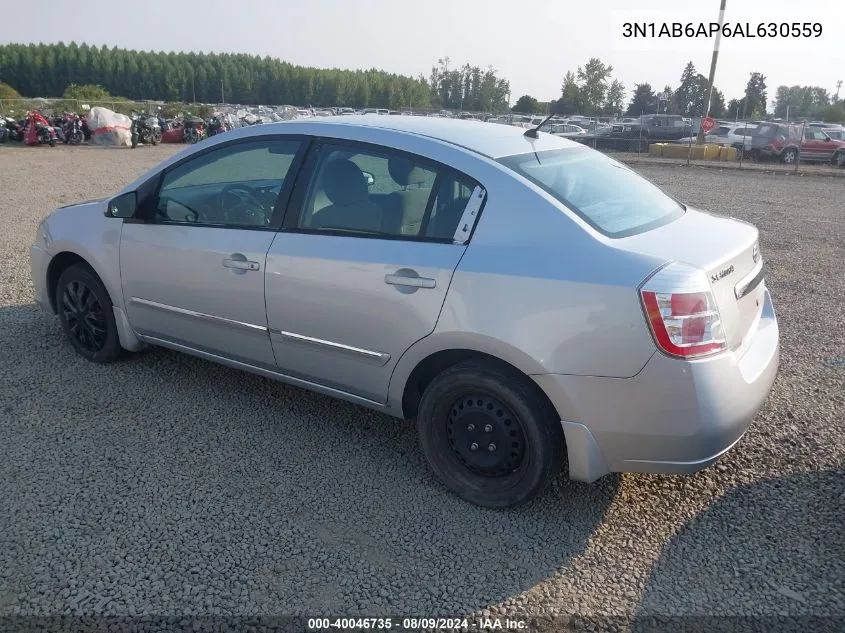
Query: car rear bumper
{"type": "Point", "coordinates": [39, 260]}
{"type": "Point", "coordinates": [674, 416]}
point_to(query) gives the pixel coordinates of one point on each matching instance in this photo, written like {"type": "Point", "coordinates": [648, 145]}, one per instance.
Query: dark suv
{"type": "Point", "coordinates": [651, 128]}
{"type": "Point", "coordinates": [785, 142]}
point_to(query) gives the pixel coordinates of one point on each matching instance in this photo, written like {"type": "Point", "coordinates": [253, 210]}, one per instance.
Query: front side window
{"type": "Point", "coordinates": [380, 191]}
{"type": "Point", "coordinates": [608, 195]}
{"type": "Point", "coordinates": [235, 185]}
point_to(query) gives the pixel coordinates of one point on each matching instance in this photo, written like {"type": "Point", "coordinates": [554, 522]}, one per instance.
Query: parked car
{"type": "Point", "coordinates": [564, 129]}
{"type": "Point", "coordinates": [736, 135]}
{"type": "Point", "coordinates": [786, 143]}
{"type": "Point", "coordinates": [651, 128]}
{"type": "Point", "coordinates": [381, 261]}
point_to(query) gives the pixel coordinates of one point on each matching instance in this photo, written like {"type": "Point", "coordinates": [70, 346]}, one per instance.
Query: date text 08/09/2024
{"type": "Point", "coordinates": [711, 29]}
{"type": "Point", "coordinates": [414, 624]}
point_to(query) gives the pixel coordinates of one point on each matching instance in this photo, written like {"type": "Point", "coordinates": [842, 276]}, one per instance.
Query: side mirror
{"type": "Point", "coordinates": [371, 180]}
{"type": "Point", "coordinates": [124, 206]}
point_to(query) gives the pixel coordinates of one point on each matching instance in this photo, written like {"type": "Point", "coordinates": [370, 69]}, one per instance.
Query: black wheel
{"type": "Point", "coordinates": [156, 138]}
{"type": "Point", "coordinates": [789, 156]}
{"type": "Point", "coordinates": [52, 142]}
{"type": "Point", "coordinates": [839, 159]}
{"type": "Point", "coordinates": [86, 315]}
{"type": "Point", "coordinates": [489, 435]}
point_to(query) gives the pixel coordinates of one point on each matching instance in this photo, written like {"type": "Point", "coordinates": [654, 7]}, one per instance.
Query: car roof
{"type": "Point", "coordinates": [488, 139]}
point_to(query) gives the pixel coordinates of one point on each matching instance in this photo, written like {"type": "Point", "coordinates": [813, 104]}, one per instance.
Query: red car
{"type": "Point", "coordinates": [783, 141]}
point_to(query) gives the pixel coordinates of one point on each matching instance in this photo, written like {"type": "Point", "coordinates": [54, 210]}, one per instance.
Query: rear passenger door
{"type": "Point", "coordinates": [360, 270]}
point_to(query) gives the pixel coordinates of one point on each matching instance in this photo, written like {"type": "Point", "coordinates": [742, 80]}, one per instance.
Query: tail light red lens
{"type": "Point", "coordinates": [685, 321]}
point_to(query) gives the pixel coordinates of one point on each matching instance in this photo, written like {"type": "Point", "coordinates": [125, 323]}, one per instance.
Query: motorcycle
{"type": "Point", "coordinates": [216, 125]}
{"type": "Point", "coordinates": [86, 131]}
{"type": "Point", "coordinates": [38, 130]}
{"type": "Point", "coordinates": [194, 129]}
{"type": "Point", "coordinates": [72, 129]}
{"type": "Point", "coordinates": [15, 128]}
{"type": "Point", "coordinates": [145, 129]}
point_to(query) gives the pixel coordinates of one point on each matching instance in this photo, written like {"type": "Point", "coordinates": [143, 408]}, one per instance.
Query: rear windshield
{"type": "Point", "coordinates": [612, 198]}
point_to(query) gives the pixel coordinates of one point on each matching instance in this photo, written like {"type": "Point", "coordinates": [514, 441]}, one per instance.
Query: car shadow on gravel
{"type": "Point", "coordinates": [768, 556]}
{"type": "Point", "coordinates": [167, 484]}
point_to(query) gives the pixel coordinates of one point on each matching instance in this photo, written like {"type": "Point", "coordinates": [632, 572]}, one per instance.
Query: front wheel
{"type": "Point", "coordinates": [789, 156]}
{"type": "Point", "coordinates": [86, 314]}
{"type": "Point", "coordinates": [839, 159]}
{"type": "Point", "coordinates": [52, 142]}
{"type": "Point", "coordinates": [156, 138]}
{"type": "Point", "coordinates": [489, 434]}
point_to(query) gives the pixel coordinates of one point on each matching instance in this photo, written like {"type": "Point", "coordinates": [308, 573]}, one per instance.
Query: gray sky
{"type": "Point", "coordinates": [531, 43]}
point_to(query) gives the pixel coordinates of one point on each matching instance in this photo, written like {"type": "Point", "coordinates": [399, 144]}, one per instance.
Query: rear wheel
{"type": "Point", "coordinates": [489, 434]}
{"type": "Point", "coordinates": [839, 159]}
{"type": "Point", "coordinates": [789, 156]}
{"type": "Point", "coordinates": [86, 314]}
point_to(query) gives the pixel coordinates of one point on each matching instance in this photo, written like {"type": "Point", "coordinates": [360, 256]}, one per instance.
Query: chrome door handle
{"type": "Point", "coordinates": [413, 282]}
{"type": "Point", "coordinates": [241, 264]}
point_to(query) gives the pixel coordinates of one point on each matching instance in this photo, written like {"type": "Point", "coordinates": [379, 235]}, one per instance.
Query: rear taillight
{"type": "Point", "coordinates": [682, 313]}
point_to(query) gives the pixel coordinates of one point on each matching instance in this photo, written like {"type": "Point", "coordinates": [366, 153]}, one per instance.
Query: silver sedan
{"type": "Point", "coordinates": [532, 304]}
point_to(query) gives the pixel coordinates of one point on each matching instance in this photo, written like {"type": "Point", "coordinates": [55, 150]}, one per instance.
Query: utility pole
{"type": "Point", "coordinates": [838, 86]}
{"type": "Point", "coordinates": [222, 100]}
{"type": "Point", "coordinates": [193, 85]}
{"type": "Point", "coordinates": [713, 67]}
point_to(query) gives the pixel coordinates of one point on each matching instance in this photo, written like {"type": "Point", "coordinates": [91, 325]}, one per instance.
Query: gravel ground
{"type": "Point", "coordinates": [171, 486]}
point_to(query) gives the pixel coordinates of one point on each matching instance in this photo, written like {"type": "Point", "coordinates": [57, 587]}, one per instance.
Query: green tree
{"type": "Point", "coordinates": [570, 101]}
{"type": "Point", "coordinates": [593, 83]}
{"type": "Point", "coordinates": [643, 101]}
{"type": "Point", "coordinates": [615, 100]}
{"type": "Point", "coordinates": [7, 92]}
{"type": "Point", "coordinates": [688, 92]}
{"type": "Point", "coordinates": [755, 95]}
{"type": "Point", "coordinates": [834, 113]}
{"type": "Point", "coordinates": [801, 101]}
{"type": "Point", "coordinates": [48, 70]}
{"type": "Point", "coordinates": [668, 103]}
{"type": "Point", "coordinates": [86, 93]}
{"type": "Point", "coordinates": [526, 104]}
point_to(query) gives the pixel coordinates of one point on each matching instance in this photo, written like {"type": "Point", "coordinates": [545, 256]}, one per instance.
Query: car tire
{"type": "Point", "coordinates": [489, 434]}
{"type": "Point", "coordinates": [86, 314]}
{"type": "Point", "coordinates": [839, 159]}
{"type": "Point", "coordinates": [789, 156]}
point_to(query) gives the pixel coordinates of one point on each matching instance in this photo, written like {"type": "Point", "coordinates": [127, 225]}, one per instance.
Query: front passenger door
{"type": "Point", "coordinates": [193, 268]}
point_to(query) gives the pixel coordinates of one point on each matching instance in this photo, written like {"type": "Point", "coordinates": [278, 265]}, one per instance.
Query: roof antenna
{"type": "Point", "coordinates": [532, 133]}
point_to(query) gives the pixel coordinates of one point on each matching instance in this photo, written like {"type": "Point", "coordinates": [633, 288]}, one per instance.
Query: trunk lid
{"type": "Point", "coordinates": [727, 250]}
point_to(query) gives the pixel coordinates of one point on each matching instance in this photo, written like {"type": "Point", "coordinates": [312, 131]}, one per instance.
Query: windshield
{"type": "Point", "coordinates": [612, 198]}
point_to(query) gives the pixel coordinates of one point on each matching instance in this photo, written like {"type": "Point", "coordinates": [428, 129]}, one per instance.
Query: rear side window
{"type": "Point", "coordinates": [609, 196]}
{"type": "Point", "coordinates": [378, 191]}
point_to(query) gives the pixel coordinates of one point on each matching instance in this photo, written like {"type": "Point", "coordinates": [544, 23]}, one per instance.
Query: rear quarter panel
{"type": "Point", "coordinates": [543, 291]}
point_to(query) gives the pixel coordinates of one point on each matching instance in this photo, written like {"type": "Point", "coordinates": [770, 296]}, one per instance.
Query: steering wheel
{"type": "Point", "coordinates": [250, 207]}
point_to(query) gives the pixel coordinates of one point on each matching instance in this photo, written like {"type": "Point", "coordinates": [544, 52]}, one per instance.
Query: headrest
{"type": "Point", "coordinates": [404, 172]}
{"type": "Point", "coordinates": [344, 183]}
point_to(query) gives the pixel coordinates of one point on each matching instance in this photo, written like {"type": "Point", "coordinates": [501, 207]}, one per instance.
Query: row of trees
{"type": "Point", "coordinates": [47, 70]}
{"type": "Point", "coordinates": [468, 88]}
{"type": "Point", "coordinates": [592, 90]}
